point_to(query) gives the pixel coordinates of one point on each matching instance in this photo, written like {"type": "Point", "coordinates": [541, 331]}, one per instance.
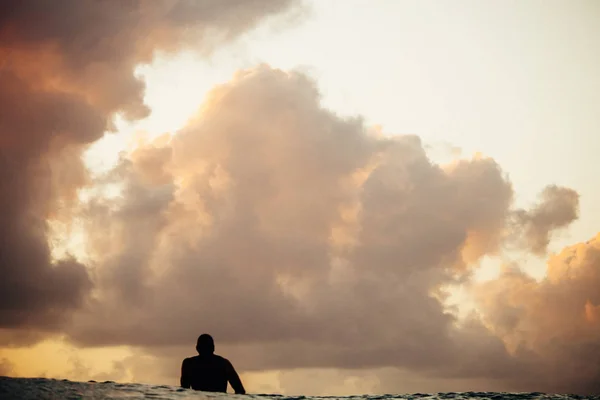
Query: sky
{"type": "Point", "coordinates": [351, 196]}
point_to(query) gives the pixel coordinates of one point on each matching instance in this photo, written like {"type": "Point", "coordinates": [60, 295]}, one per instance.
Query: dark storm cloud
{"type": "Point", "coordinates": [67, 68]}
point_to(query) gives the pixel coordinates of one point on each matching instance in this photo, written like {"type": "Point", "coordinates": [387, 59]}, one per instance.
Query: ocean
{"type": "Point", "coordinates": [42, 389]}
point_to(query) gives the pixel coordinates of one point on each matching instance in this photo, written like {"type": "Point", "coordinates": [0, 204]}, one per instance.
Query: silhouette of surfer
{"type": "Point", "coordinates": [209, 372]}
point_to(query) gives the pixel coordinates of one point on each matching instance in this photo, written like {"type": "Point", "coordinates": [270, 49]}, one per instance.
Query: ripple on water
{"type": "Point", "coordinates": [42, 389]}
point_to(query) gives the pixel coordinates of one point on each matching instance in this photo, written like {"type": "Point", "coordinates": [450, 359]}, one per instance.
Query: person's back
{"type": "Point", "coordinates": [209, 372]}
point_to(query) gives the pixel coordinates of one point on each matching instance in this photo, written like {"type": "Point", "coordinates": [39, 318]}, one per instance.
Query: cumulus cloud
{"type": "Point", "coordinates": [290, 233]}
{"type": "Point", "coordinates": [558, 207]}
{"type": "Point", "coordinates": [67, 68]}
{"type": "Point", "coordinates": [554, 323]}
{"type": "Point", "coordinates": [301, 239]}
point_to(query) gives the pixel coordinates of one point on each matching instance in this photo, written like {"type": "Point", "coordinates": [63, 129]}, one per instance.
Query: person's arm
{"type": "Point", "coordinates": [185, 379]}
{"type": "Point", "coordinates": [234, 379]}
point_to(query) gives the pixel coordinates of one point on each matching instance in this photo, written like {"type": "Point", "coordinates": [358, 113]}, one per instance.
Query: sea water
{"type": "Point", "coordinates": [41, 389]}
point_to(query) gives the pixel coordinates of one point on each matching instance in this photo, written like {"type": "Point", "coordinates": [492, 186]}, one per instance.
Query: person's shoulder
{"type": "Point", "coordinates": [222, 359]}
{"type": "Point", "coordinates": [189, 359]}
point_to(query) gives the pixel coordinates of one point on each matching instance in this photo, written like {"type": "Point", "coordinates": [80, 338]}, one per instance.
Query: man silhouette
{"type": "Point", "coordinates": [209, 372]}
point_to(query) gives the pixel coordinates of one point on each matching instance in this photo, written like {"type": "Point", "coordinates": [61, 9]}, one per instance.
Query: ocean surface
{"type": "Point", "coordinates": [41, 389]}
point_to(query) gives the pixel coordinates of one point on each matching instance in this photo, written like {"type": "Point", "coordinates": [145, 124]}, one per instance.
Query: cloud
{"type": "Point", "coordinates": [302, 240]}
{"type": "Point", "coordinates": [296, 237]}
{"type": "Point", "coordinates": [558, 207]}
{"type": "Point", "coordinates": [555, 323]}
{"type": "Point", "coordinates": [67, 69]}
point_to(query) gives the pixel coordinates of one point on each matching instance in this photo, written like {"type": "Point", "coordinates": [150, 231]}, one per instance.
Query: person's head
{"type": "Point", "coordinates": [205, 344]}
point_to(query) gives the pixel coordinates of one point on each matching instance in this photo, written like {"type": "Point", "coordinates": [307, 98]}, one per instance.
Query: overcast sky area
{"type": "Point", "coordinates": [350, 196]}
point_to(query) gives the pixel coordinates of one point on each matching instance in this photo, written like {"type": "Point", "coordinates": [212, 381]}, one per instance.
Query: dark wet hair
{"type": "Point", "coordinates": [205, 344]}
